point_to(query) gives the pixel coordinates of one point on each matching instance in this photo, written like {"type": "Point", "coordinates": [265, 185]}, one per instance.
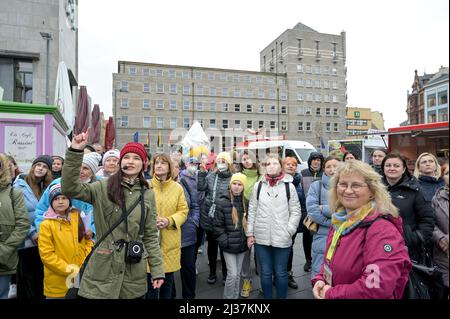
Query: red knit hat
{"type": "Point", "coordinates": [136, 148]}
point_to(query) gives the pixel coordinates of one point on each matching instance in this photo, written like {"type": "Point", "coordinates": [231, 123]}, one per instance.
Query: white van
{"type": "Point", "coordinates": [285, 148]}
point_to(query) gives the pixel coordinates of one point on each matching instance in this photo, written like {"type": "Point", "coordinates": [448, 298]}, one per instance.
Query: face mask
{"type": "Point", "coordinates": [222, 167]}
{"type": "Point", "coordinates": [192, 169]}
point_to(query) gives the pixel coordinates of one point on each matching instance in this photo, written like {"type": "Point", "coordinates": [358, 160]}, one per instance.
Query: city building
{"type": "Point", "coordinates": [300, 93]}
{"type": "Point", "coordinates": [35, 36]}
{"type": "Point", "coordinates": [423, 107]}
{"type": "Point", "coordinates": [360, 121]}
{"type": "Point", "coordinates": [436, 101]}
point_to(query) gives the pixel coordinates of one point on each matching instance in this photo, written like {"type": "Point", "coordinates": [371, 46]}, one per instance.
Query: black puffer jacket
{"type": "Point", "coordinates": [416, 213]}
{"type": "Point", "coordinates": [231, 239]}
{"type": "Point", "coordinates": [206, 184]}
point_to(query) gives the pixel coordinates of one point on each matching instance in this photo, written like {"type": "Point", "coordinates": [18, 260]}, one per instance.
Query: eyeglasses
{"type": "Point", "coordinates": [356, 187]}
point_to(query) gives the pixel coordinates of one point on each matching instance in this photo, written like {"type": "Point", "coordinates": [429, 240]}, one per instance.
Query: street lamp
{"type": "Point", "coordinates": [115, 115]}
{"type": "Point", "coordinates": [47, 36]}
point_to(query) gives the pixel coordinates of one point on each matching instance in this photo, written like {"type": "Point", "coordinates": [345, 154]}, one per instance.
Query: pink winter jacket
{"type": "Point", "coordinates": [370, 262]}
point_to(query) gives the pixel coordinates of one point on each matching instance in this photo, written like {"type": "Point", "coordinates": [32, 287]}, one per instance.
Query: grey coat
{"type": "Point", "coordinates": [440, 206]}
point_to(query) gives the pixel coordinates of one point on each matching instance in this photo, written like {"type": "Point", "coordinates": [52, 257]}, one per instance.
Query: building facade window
{"type": "Point", "coordinates": [336, 127]}
{"type": "Point", "coordinates": [283, 109]}
{"type": "Point", "coordinates": [224, 124]}
{"type": "Point", "coordinates": [124, 103]}
{"type": "Point", "coordinates": [159, 104]}
{"type": "Point", "coordinates": [159, 73]}
{"type": "Point", "coordinates": [237, 107]}
{"type": "Point", "coordinates": [272, 125]}
{"type": "Point", "coordinates": [160, 88]}
{"type": "Point", "coordinates": [199, 90]}
{"type": "Point", "coordinates": [199, 106]}
{"type": "Point", "coordinates": [261, 108]}
{"type": "Point", "coordinates": [173, 105]}
{"type": "Point", "coordinates": [124, 86]}
{"type": "Point", "coordinates": [173, 88]}
{"type": "Point", "coordinates": [308, 126]}
{"type": "Point", "coordinates": [146, 122]}
{"type": "Point", "coordinates": [212, 106]}
{"type": "Point", "coordinates": [249, 124]}
{"type": "Point", "coordinates": [159, 122]}
{"type": "Point", "coordinates": [186, 123]}
{"type": "Point", "coordinates": [284, 126]}
{"type": "Point", "coordinates": [124, 121]}
{"type": "Point", "coordinates": [237, 123]}
{"type": "Point", "coordinates": [212, 91]}
{"type": "Point", "coordinates": [300, 126]}
{"type": "Point", "coordinates": [249, 108]}
{"type": "Point", "coordinates": [186, 105]}
{"type": "Point", "coordinates": [186, 89]}
{"type": "Point", "coordinates": [146, 103]}
{"type": "Point", "coordinates": [212, 123]}
{"type": "Point", "coordinates": [173, 123]}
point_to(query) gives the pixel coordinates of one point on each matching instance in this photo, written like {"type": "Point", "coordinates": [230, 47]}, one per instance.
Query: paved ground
{"type": "Point", "coordinates": [207, 291]}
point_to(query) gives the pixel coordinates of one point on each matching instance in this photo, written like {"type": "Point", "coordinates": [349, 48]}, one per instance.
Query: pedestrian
{"type": "Point", "coordinates": [349, 155]}
{"type": "Point", "coordinates": [365, 257]}
{"type": "Point", "coordinates": [63, 244]}
{"type": "Point", "coordinates": [428, 171]}
{"type": "Point", "coordinates": [290, 167]}
{"type": "Point", "coordinates": [376, 158]}
{"type": "Point", "coordinates": [409, 198]}
{"type": "Point", "coordinates": [251, 171]}
{"type": "Point", "coordinates": [320, 213]}
{"type": "Point", "coordinates": [57, 164]}
{"type": "Point", "coordinates": [118, 267]}
{"type": "Point", "coordinates": [110, 164]}
{"type": "Point", "coordinates": [273, 218]}
{"type": "Point", "coordinates": [440, 233]}
{"type": "Point", "coordinates": [215, 185]}
{"type": "Point", "coordinates": [172, 209]}
{"type": "Point", "coordinates": [229, 229]}
{"type": "Point", "coordinates": [194, 199]}
{"type": "Point", "coordinates": [312, 173]}
{"type": "Point", "coordinates": [14, 226]}
{"type": "Point", "coordinates": [30, 271]}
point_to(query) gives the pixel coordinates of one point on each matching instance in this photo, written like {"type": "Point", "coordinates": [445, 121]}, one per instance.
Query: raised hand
{"type": "Point", "coordinates": [79, 141]}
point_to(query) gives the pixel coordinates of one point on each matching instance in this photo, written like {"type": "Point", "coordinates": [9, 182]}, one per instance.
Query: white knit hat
{"type": "Point", "coordinates": [92, 160]}
{"type": "Point", "coordinates": [110, 153]}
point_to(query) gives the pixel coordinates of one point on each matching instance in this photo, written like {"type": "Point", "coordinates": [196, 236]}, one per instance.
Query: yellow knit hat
{"type": "Point", "coordinates": [225, 156]}
{"type": "Point", "coordinates": [239, 177]}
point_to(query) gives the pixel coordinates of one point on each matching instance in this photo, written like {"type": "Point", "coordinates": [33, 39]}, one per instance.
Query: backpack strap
{"type": "Point", "coordinates": [11, 194]}
{"type": "Point", "coordinates": [288, 191]}
{"type": "Point", "coordinates": [258, 191]}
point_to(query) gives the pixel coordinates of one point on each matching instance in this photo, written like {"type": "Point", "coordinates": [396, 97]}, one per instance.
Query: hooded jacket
{"type": "Point", "coordinates": [320, 216]}
{"type": "Point", "coordinates": [440, 206]}
{"type": "Point", "coordinates": [60, 248]}
{"type": "Point", "coordinates": [14, 223]}
{"type": "Point", "coordinates": [416, 213]}
{"type": "Point", "coordinates": [194, 200]}
{"type": "Point", "coordinates": [369, 262]}
{"type": "Point", "coordinates": [231, 239]}
{"type": "Point", "coordinates": [429, 186]}
{"type": "Point", "coordinates": [205, 184]}
{"type": "Point", "coordinates": [297, 181]}
{"type": "Point", "coordinates": [107, 275]}
{"type": "Point", "coordinates": [171, 204]}
{"type": "Point", "coordinates": [308, 174]}
{"type": "Point", "coordinates": [272, 219]}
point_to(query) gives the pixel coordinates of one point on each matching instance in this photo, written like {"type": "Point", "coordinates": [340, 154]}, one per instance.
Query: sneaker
{"type": "Point", "coordinates": [246, 288]}
{"type": "Point", "coordinates": [200, 251]}
{"type": "Point", "coordinates": [12, 294]}
{"type": "Point", "coordinates": [291, 281]}
{"type": "Point", "coordinates": [307, 266]}
{"type": "Point", "coordinates": [212, 279]}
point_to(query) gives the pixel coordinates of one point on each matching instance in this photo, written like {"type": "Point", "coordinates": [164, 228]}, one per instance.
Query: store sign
{"type": "Point", "coordinates": [21, 143]}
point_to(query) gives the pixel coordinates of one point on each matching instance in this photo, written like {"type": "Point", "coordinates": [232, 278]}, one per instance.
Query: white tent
{"type": "Point", "coordinates": [63, 95]}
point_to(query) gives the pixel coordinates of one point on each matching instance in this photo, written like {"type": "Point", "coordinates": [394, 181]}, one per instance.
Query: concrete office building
{"type": "Point", "coordinates": [300, 92]}
{"type": "Point", "coordinates": [27, 30]}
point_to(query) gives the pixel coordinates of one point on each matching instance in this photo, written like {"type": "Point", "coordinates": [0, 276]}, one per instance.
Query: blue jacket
{"type": "Point", "coordinates": [194, 200]}
{"type": "Point", "coordinates": [297, 181]}
{"type": "Point", "coordinates": [43, 206]}
{"type": "Point", "coordinates": [321, 217]}
{"type": "Point", "coordinates": [429, 186]}
{"type": "Point", "coordinates": [30, 203]}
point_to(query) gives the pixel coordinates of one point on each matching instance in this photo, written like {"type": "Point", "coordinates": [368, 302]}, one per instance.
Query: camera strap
{"type": "Point", "coordinates": [141, 225]}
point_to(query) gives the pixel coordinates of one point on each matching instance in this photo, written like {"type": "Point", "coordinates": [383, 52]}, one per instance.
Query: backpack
{"type": "Point", "coordinates": [286, 185]}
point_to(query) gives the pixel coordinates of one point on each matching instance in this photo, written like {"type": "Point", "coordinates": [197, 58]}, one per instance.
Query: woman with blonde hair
{"type": "Point", "coordinates": [428, 171]}
{"type": "Point", "coordinates": [366, 256]}
{"type": "Point", "coordinates": [172, 210]}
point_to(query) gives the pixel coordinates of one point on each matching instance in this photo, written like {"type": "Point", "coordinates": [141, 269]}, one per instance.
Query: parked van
{"type": "Point", "coordinates": [284, 148]}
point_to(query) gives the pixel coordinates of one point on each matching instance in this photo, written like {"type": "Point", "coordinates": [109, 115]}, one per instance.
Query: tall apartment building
{"type": "Point", "coordinates": [300, 92]}
{"type": "Point", "coordinates": [28, 30]}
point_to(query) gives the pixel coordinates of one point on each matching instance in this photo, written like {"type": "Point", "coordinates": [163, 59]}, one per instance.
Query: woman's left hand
{"type": "Point", "coordinates": [157, 283]}
{"type": "Point", "coordinates": [324, 290]}
{"type": "Point", "coordinates": [162, 222]}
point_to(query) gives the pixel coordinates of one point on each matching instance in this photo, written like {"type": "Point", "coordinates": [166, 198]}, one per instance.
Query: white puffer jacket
{"type": "Point", "coordinates": [272, 220]}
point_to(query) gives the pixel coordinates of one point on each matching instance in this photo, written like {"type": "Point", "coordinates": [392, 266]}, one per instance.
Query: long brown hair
{"type": "Point", "coordinates": [38, 185]}
{"type": "Point", "coordinates": [234, 213]}
{"type": "Point", "coordinates": [115, 190]}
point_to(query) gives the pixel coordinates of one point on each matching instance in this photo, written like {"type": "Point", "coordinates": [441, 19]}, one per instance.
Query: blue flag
{"type": "Point", "coordinates": [136, 137]}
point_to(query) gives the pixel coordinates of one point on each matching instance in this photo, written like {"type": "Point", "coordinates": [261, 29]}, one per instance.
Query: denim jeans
{"type": "Point", "coordinates": [165, 292]}
{"type": "Point", "coordinates": [273, 261]}
{"type": "Point", "coordinates": [234, 266]}
{"type": "Point", "coordinates": [4, 286]}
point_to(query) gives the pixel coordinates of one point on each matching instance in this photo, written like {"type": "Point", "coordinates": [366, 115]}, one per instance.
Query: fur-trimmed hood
{"type": "Point", "coordinates": [5, 174]}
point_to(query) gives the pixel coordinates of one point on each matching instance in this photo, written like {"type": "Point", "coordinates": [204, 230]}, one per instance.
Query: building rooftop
{"type": "Point", "coordinates": [302, 27]}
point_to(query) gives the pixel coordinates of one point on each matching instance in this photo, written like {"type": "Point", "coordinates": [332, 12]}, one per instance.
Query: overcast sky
{"type": "Point", "coordinates": [386, 40]}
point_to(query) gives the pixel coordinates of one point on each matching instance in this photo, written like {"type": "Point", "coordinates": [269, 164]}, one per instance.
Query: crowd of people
{"type": "Point", "coordinates": [121, 223]}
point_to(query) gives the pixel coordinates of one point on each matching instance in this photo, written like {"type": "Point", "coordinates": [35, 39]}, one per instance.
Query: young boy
{"type": "Point", "coordinates": [63, 244]}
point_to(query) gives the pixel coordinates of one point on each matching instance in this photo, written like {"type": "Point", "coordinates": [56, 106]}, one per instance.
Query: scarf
{"type": "Point", "coordinates": [274, 180]}
{"type": "Point", "coordinates": [351, 219]}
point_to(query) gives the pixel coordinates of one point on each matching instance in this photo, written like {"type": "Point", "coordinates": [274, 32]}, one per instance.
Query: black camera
{"type": "Point", "coordinates": [134, 252]}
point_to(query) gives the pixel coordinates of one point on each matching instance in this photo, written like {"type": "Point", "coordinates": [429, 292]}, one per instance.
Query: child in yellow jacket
{"type": "Point", "coordinates": [63, 244]}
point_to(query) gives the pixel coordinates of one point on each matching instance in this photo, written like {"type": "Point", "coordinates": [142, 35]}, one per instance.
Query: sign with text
{"type": "Point", "coordinates": [21, 143]}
